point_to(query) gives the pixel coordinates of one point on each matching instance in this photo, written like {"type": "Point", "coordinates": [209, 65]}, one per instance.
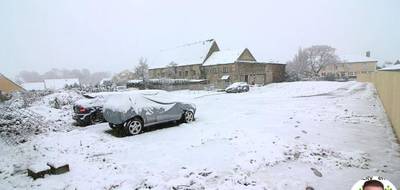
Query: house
{"type": "Point", "coordinates": [391, 68]}
{"type": "Point", "coordinates": [205, 60]}
{"type": "Point", "coordinates": [350, 67]}
{"type": "Point", "coordinates": [8, 86]}
{"type": "Point", "coordinates": [56, 84]}
{"type": "Point", "coordinates": [33, 86]}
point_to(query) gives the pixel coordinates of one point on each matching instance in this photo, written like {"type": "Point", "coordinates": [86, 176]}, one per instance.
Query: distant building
{"type": "Point", "coordinates": [33, 86]}
{"type": "Point", "coordinates": [205, 60]}
{"type": "Point", "coordinates": [56, 84]}
{"type": "Point", "coordinates": [350, 67]}
{"type": "Point", "coordinates": [8, 86]}
{"type": "Point", "coordinates": [391, 68]}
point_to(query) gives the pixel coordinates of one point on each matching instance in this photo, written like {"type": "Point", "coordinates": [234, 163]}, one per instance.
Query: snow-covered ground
{"type": "Point", "coordinates": [280, 136]}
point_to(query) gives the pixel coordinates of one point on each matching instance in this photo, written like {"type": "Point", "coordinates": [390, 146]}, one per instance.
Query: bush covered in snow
{"type": "Point", "coordinates": [32, 113]}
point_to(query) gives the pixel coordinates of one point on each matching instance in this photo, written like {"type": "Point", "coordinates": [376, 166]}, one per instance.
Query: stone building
{"type": "Point", "coordinates": [205, 60]}
{"type": "Point", "coordinates": [350, 67]}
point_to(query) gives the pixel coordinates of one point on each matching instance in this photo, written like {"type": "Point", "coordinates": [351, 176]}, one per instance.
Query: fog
{"type": "Point", "coordinates": [110, 36]}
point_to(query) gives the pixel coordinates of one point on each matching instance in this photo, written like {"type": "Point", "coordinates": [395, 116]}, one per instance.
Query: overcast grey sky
{"type": "Point", "coordinates": [104, 35]}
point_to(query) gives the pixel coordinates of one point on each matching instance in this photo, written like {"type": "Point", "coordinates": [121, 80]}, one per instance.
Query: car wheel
{"type": "Point", "coordinates": [133, 126]}
{"type": "Point", "coordinates": [188, 116]}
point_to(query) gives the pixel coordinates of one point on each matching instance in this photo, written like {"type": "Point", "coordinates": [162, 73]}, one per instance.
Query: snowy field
{"type": "Point", "coordinates": [280, 136]}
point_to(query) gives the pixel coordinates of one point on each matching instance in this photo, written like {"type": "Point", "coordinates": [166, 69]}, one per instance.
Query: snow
{"type": "Point", "coordinates": [225, 77]}
{"type": "Point", "coordinates": [140, 101]}
{"type": "Point", "coordinates": [135, 81]}
{"type": "Point", "coordinates": [97, 99]}
{"type": "Point", "coordinates": [223, 57]}
{"type": "Point", "coordinates": [33, 86]}
{"type": "Point", "coordinates": [357, 59]}
{"type": "Point", "coordinates": [56, 84]}
{"type": "Point", "coordinates": [237, 84]}
{"type": "Point", "coordinates": [391, 68]}
{"type": "Point", "coordinates": [56, 163]}
{"type": "Point", "coordinates": [273, 137]}
{"type": "Point", "coordinates": [39, 167]}
{"type": "Point", "coordinates": [194, 53]}
{"type": "Point", "coordinates": [105, 80]}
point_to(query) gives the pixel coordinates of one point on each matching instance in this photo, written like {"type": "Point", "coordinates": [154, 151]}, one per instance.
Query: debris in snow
{"type": "Point", "coordinates": [38, 171]}
{"type": "Point", "coordinates": [316, 172]}
{"type": "Point", "coordinates": [58, 167]}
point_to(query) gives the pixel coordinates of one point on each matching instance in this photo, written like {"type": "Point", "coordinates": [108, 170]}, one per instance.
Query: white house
{"type": "Point", "coordinates": [56, 84]}
{"type": "Point", "coordinates": [33, 85]}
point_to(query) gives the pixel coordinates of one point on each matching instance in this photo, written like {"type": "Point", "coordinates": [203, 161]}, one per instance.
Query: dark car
{"type": "Point", "coordinates": [238, 87]}
{"type": "Point", "coordinates": [89, 109]}
{"type": "Point", "coordinates": [131, 112]}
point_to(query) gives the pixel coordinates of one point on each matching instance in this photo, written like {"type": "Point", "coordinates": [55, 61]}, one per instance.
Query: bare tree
{"type": "Point", "coordinates": [308, 62]}
{"type": "Point", "coordinates": [123, 77]}
{"type": "Point", "coordinates": [171, 70]}
{"type": "Point", "coordinates": [142, 70]}
{"type": "Point", "coordinates": [298, 68]}
{"type": "Point", "coordinates": [29, 76]}
{"type": "Point", "coordinates": [318, 57]}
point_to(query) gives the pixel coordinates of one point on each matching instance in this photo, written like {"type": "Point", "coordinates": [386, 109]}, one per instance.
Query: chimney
{"type": "Point", "coordinates": [368, 54]}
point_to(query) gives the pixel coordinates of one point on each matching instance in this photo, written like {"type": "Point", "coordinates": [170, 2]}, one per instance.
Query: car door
{"type": "Point", "coordinates": [158, 111]}
{"type": "Point", "coordinates": [166, 112]}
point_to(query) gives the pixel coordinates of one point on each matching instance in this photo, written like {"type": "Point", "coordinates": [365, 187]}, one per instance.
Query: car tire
{"type": "Point", "coordinates": [133, 126]}
{"type": "Point", "coordinates": [187, 117]}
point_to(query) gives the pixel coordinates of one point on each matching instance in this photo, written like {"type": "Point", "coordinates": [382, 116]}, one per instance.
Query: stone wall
{"type": "Point", "coordinates": [387, 85]}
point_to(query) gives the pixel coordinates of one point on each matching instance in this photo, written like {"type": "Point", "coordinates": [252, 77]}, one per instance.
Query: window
{"type": "Point", "coordinates": [186, 73]}
{"type": "Point", "coordinates": [180, 73]}
{"type": "Point", "coordinates": [225, 69]}
{"type": "Point", "coordinates": [214, 70]}
{"type": "Point", "coordinates": [193, 73]}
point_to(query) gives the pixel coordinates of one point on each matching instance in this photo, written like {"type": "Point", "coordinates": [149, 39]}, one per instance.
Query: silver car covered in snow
{"type": "Point", "coordinates": [131, 112]}
{"type": "Point", "coordinates": [238, 87]}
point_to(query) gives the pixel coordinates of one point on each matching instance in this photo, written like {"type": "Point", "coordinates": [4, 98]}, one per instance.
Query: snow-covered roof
{"type": "Point", "coordinates": [357, 59]}
{"type": "Point", "coordinates": [391, 68]}
{"type": "Point", "coordinates": [193, 53]}
{"type": "Point", "coordinates": [135, 81]}
{"type": "Point", "coordinates": [33, 85]}
{"type": "Point", "coordinates": [224, 56]}
{"type": "Point", "coordinates": [56, 84]}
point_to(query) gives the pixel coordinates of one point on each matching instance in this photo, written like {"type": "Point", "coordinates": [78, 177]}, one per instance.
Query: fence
{"type": "Point", "coordinates": [387, 84]}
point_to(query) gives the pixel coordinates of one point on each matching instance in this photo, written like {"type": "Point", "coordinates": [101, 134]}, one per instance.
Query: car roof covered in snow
{"type": "Point", "coordinates": [140, 99]}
